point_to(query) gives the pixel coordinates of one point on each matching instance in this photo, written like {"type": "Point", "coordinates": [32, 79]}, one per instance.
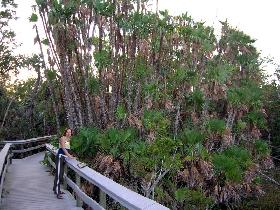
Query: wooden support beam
{"type": "Point", "coordinates": [78, 183]}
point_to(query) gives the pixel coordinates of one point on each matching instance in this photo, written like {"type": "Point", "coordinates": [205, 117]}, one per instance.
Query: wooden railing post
{"type": "Point", "coordinates": [8, 161]}
{"type": "Point", "coordinates": [31, 144]}
{"type": "Point", "coordinates": [21, 154]}
{"type": "Point", "coordinates": [11, 158]}
{"type": "Point", "coordinates": [65, 172]}
{"type": "Point", "coordinates": [102, 199]}
{"type": "Point", "coordinates": [78, 183]}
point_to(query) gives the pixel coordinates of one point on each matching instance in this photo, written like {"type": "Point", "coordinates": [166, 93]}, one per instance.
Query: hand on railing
{"type": "Point", "coordinates": [72, 157]}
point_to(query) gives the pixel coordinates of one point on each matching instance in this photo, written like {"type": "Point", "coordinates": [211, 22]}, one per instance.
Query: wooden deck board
{"type": "Point", "coordinates": [28, 186]}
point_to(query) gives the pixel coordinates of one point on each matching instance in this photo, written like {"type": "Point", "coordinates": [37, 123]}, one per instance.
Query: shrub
{"type": "Point", "coordinates": [232, 163]}
{"type": "Point", "coordinates": [262, 148]}
{"type": "Point", "coordinates": [216, 126]}
{"type": "Point", "coordinates": [86, 142]}
{"type": "Point", "coordinates": [192, 199]}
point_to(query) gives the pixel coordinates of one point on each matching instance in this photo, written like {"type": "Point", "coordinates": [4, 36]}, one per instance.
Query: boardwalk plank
{"type": "Point", "coordinates": [28, 186]}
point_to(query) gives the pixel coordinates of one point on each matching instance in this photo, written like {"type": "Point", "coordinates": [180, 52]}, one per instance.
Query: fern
{"type": "Point", "coordinates": [216, 126]}
{"type": "Point", "coordinates": [54, 141]}
{"type": "Point", "coordinates": [192, 137]}
{"type": "Point", "coordinates": [193, 198]}
{"type": "Point", "coordinates": [232, 163]}
{"type": "Point", "coordinates": [86, 142]}
{"type": "Point", "coordinates": [262, 148]}
{"type": "Point", "coordinates": [157, 121]}
{"type": "Point", "coordinates": [256, 118]}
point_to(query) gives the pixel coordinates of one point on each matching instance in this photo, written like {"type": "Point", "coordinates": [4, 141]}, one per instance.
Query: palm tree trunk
{"type": "Point", "coordinates": [50, 85]}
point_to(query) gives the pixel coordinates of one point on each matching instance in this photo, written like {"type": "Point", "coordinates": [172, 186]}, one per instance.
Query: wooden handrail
{"type": "Point", "coordinates": [40, 142]}
{"type": "Point", "coordinates": [28, 140]}
{"type": "Point", "coordinates": [119, 193]}
{"type": "Point", "coordinates": [29, 149]}
{"type": "Point", "coordinates": [4, 161]}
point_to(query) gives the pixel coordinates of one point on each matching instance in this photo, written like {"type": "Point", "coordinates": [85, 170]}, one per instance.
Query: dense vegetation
{"type": "Point", "coordinates": [158, 102]}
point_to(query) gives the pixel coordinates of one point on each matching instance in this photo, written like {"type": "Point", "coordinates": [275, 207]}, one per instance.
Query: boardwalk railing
{"type": "Point", "coordinates": [5, 160]}
{"type": "Point", "coordinates": [127, 198]}
{"type": "Point", "coordinates": [21, 147]}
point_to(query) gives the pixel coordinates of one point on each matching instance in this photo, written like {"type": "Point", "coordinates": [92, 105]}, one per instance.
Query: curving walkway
{"type": "Point", "coordinates": [28, 186]}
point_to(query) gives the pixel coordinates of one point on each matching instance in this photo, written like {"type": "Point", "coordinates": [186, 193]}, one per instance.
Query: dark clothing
{"type": "Point", "coordinates": [59, 171]}
{"type": "Point", "coordinates": [60, 151]}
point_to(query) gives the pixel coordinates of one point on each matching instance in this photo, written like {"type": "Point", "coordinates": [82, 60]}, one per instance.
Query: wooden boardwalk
{"type": "Point", "coordinates": [28, 186]}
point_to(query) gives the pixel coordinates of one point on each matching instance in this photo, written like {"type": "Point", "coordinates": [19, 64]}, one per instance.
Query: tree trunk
{"type": "Point", "coordinates": [50, 85]}
{"type": "Point", "coordinates": [5, 115]}
{"type": "Point", "coordinates": [68, 101]}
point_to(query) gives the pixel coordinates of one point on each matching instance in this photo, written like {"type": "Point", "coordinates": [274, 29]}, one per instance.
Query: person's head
{"type": "Point", "coordinates": [67, 132]}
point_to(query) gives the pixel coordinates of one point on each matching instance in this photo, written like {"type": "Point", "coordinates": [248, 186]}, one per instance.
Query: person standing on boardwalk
{"type": "Point", "coordinates": [63, 152]}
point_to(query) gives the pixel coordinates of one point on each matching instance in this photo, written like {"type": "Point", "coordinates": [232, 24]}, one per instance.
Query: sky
{"type": "Point", "coordinates": [257, 18]}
